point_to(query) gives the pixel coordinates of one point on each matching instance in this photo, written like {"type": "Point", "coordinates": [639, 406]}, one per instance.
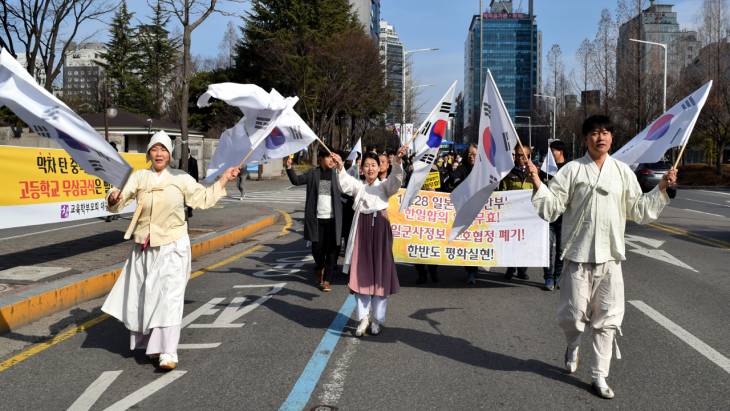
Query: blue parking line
{"type": "Point", "coordinates": [307, 382]}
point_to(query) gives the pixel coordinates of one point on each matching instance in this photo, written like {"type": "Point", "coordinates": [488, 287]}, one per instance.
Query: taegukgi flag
{"type": "Point", "coordinates": [353, 170]}
{"type": "Point", "coordinates": [290, 135]}
{"type": "Point", "coordinates": [432, 131]}
{"type": "Point", "coordinates": [260, 109]}
{"type": "Point", "coordinates": [549, 166]}
{"type": "Point", "coordinates": [494, 159]}
{"type": "Point", "coordinates": [671, 129]}
{"type": "Point", "coordinates": [51, 118]}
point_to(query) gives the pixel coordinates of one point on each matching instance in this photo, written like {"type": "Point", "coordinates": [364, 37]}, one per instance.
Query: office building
{"type": "Point", "coordinates": [392, 55]}
{"type": "Point", "coordinates": [82, 74]}
{"type": "Point", "coordinates": [507, 42]}
{"type": "Point", "coordinates": [368, 13]}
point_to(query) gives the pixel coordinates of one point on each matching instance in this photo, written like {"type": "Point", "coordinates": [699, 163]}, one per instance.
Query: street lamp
{"type": "Point", "coordinates": [664, 46]}
{"type": "Point", "coordinates": [406, 53]}
{"type": "Point", "coordinates": [529, 128]}
{"type": "Point", "coordinates": [109, 113]}
{"type": "Point", "coordinates": [555, 101]}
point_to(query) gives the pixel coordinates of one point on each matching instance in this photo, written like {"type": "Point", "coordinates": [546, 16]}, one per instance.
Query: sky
{"type": "Point", "coordinates": [443, 24]}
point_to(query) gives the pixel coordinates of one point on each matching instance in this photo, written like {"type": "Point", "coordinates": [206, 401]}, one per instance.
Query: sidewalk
{"type": "Point", "coordinates": [84, 259]}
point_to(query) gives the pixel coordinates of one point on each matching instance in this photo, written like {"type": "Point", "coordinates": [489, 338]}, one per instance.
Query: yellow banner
{"type": "Point", "coordinates": [433, 181]}
{"type": "Point", "coordinates": [32, 175]}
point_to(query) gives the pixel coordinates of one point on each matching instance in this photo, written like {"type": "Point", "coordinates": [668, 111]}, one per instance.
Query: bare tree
{"type": "Point", "coordinates": [190, 14]}
{"type": "Point", "coordinates": [47, 30]}
{"type": "Point", "coordinates": [604, 57]}
{"type": "Point", "coordinates": [227, 46]}
{"type": "Point", "coordinates": [584, 55]}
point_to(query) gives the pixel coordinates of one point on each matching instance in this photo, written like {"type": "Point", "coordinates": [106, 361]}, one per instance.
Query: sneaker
{"type": "Point", "coordinates": [571, 359]}
{"type": "Point", "coordinates": [326, 286]}
{"type": "Point", "coordinates": [601, 388]}
{"type": "Point", "coordinates": [362, 327]}
{"type": "Point", "coordinates": [374, 328]}
{"type": "Point", "coordinates": [557, 283]}
{"type": "Point", "coordinates": [549, 284]}
{"type": "Point", "coordinates": [168, 361]}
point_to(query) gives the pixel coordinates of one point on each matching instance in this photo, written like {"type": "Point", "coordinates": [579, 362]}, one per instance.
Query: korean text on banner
{"type": "Point", "coordinates": [51, 118]}
{"type": "Point", "coordinates": [433, 181]}
{"type": "Point", "coordinates": [507, 232]}
{"type": "Point", "coordinates": [42, 186]}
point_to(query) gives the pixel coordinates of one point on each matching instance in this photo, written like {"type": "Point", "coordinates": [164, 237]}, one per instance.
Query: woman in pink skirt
{"type": "Point", "coordinates": [369, 255]}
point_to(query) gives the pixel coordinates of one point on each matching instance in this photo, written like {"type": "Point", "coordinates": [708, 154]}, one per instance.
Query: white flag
{"type": "Point", "coordinates": [549, 166]}
{"type": "Point", "coordinates": [671, 129]}
{"type": "Point", "coordinates": [353, 170]}
{"type": "Point", "coordinates": [494, 159]}
{"type": "Point", "coordinates": [49, 117]}
{"type": "Point", "coordinates": [432, 132]}
{"type": "Point", "coordinates": [261, 111]}
{"type": "Point", "coordinates": [233, 146]}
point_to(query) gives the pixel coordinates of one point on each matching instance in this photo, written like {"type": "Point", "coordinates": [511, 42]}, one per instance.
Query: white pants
{"type": "Point", "coordinates": [379, 305]}
{"type": "Point", "coordinates": [158, 341]}
{"type": "Point", "coordinates": [592, 294]}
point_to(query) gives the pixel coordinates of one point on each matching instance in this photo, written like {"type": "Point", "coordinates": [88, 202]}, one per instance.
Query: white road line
{"type": "Point", "coordinates": [204, 346]}
{"type": "Point", "coordinates": [694, 342]}
{"type": "Point", "coordinates": [48, 231]}
{"type": "Point", "coordinates": [136, 397]}
{"type": "Point", "coordinates": [94, 391]}
{"type": "Point", "coordinates": [332, 390]}
{"type": "Point", "coordinates": [702, 212]}
{"type": "Point", "coordinates": [715, 192]}
{"type": "Point", "coordinates": [707, 202]}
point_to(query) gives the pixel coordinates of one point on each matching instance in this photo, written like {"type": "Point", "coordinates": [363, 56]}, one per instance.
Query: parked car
{"type": "Point", "coordinates": [649, 175]}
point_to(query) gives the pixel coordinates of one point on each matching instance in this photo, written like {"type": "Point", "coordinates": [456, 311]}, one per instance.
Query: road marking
{"type": "Point", "coordinates": [227, 318]}
{"type": "Point", "coordinates": [654, 252]}
{"type": "Point", "coordinates": [50, 343]}
{"type": "Point", "coordinates": [715, 192]}
{"type": "Point", "coordinates": [698, 238]}
{"type": "Point", "coordinates": [24, 355]}
{"type": "Point", "coordinates": [92, 394]}
{"type": "Point", "coordinates": [702, 212]}
{"type": "Point", "coordinates": [332, 390]}
{"type": "Point", "coordinates": [707, 202]}
{"type": "Point", "coordinates": [307, 382]}
{"type": "Point", "coordinates": [48, 231]}
{"type": "Point", "coordinates": [203, 346]}
{"type": "Point", "coordinates": [136, 397]}
{"type": "Point", "coordinates": [694, 342]}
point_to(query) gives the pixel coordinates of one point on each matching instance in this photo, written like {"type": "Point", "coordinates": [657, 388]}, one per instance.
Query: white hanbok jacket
{"type": "Point", "coordinates": [369, 198]}
{"type": "Point", "coordinates": [595, 204]}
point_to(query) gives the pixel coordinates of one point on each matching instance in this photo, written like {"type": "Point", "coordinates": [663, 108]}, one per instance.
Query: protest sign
{"type": "Point", "coordinates": [433, 181]}
{"type": "Point", "coordinates": [42, 186]}
{"type": "Point", "coordinates": [506, 233]}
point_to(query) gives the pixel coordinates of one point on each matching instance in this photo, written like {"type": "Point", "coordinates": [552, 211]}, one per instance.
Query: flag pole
{"type": "Point", "coordinates": [679, 157]}
{"type": "Point", "coordinates": [324, 145]}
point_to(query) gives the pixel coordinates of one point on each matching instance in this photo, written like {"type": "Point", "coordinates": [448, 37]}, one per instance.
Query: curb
{"type": "Point", "coordinates": [26, 307]}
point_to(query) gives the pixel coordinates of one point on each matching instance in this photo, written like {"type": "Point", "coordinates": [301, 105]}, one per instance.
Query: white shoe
{"type": "Point", "coordinates": [571, 359]}
{"type": "Point", "coordinates": [600, 387]}
{"type": "Point", "coordinates": [374, 328]}
{"type": "Point", "coordinates": [168, 361]}
{"type": "Point", "coordinates": [362, 327]}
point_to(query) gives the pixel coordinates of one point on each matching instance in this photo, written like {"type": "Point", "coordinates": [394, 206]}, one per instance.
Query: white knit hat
{"type": "Point", "coordinates": [161, 137]}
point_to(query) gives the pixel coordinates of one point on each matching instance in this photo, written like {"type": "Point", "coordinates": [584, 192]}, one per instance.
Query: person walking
{"type": "Point", "coordinates": [596, 195]}
{"type": "Point", "coordinates": [517, 179]}
{"type": "Point", "coordinates": [457, 176]}
{"type": "Point", "coordinates": [551, 273]}
{"type": "Point", "coordinates": [149, 295]}
{"type": "Point", "coordinates": [369, 255]}
{"type": "Point", "coordinates": [322, 216]}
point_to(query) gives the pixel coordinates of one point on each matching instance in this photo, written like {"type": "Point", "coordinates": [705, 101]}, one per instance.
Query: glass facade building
{"type": "Point", "coordinates": [392, 55]}
{"type": "Point", "coordinates": [509, 44]}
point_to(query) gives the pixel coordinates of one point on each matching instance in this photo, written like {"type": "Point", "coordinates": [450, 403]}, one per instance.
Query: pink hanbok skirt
{"type": "Point", "coordinates": [372, 269]}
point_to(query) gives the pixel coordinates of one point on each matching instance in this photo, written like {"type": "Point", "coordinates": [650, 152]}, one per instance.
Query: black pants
{"type": "Point", "coordinates": [556, 249]}
{"type": "Point", "coordinates": [325, 250]}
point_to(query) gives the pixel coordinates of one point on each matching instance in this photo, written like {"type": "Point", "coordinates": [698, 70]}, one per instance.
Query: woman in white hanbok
{"type": "Point", "coordinates": [148, 296]}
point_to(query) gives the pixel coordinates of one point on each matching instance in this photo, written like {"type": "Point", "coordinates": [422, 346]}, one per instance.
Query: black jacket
{"type": "Point", "coordinates": [311, 179]}
{"type": "Point", "coordinates": [457, 176]}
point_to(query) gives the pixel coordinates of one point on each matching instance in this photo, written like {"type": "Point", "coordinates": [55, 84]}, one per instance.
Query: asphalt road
{"type": "Point", "coordinates": [444, 346]}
